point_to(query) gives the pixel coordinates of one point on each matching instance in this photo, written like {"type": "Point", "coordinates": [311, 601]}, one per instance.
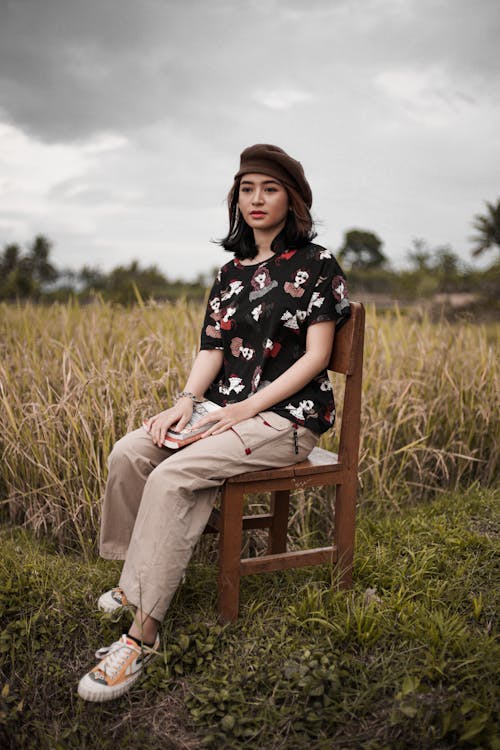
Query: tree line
{"type": "Point", "coordinates": [32, 275]}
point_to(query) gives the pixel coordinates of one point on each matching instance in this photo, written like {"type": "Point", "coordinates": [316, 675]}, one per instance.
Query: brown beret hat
{"type": "Point", "coordinates": [272, 160]}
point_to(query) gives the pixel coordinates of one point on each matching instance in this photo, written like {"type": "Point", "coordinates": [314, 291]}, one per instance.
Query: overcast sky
{"type": "Point", "coordinates": [122, 121]}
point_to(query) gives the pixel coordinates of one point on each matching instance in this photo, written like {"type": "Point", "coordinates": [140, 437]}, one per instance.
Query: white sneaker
{"type": "Point", "coordinates": [112, 600]}
{"type": "Point", "coordinates": [117, 671]}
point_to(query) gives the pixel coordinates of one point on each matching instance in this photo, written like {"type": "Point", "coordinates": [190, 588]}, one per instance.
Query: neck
{"type": "Point", "coordinates": [263, 241]}
{"type": "Point", "coordinates": [263, 252]}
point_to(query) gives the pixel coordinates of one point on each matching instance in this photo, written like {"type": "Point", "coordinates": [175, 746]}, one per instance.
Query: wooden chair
{"type": "Point", "coordinates": [322, 468]}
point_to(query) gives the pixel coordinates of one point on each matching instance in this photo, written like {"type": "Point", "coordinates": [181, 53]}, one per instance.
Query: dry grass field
{"type": "Point", "coordinates": [73, 379]}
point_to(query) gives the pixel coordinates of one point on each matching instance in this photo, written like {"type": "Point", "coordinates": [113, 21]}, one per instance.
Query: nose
{"type": "Point", "coordinates": [258, 196]}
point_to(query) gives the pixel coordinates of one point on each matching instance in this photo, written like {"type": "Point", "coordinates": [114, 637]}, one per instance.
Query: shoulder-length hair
{"type": "Point", "coordinates": [297, 232]}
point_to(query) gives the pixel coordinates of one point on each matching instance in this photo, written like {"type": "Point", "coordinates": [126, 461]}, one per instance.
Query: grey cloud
{"type": "Point", "coordinates": [70, 69]}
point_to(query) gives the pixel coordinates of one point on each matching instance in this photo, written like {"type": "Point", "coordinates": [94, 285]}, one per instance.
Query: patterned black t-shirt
{"type": "Point", "coordinates": [259, 316]}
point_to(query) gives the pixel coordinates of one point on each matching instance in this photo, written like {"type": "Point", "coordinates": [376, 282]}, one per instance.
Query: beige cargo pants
{"type": "Point", "coordinates": [158, 501]}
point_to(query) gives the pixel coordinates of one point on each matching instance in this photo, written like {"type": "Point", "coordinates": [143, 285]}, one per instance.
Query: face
{"type": "Point", "coordinates": [246, 352]}
{"type": "Point", "coordinates": [301, 277]}
{"type": "Point", "coordinates": [263, 202]}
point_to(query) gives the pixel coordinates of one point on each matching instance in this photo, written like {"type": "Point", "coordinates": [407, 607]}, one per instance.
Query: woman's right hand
{"type": "Point", "coordinates": [177, 417]}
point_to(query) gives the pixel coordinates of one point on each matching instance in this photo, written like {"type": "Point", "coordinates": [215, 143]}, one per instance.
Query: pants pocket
{"type": "Point", "coordinates": [261, 429]}
{"type": "Point", "coordinates": [267, 426]}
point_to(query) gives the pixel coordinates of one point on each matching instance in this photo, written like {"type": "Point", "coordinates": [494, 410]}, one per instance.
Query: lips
{"type": "Point", "coordinates": [257, 214]}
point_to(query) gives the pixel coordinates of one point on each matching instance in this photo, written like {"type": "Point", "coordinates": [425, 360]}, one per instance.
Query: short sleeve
{"type": "Point", "coordinates": [211, 337]}
{"type": "Point", "coordinates": [329, 300]}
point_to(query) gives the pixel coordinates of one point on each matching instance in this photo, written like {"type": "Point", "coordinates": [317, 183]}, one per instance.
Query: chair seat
{"type": "Point", "coordinates": [319, 461]}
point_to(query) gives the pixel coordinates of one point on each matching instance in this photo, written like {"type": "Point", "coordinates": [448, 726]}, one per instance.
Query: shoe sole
{"type": "Point", "coordinates": [99, 694]}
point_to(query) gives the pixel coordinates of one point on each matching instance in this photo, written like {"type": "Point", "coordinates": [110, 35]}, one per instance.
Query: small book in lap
{"type": "Point", "coordinates": [190, 433]}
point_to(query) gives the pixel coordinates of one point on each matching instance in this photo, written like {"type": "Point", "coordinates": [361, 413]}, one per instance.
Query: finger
{"type": "Point", "coordinates": [208, 432]}
{"type": "Point", "coordinates": [181, 424]}
{"type": "Point", "coordinates": [217, 429]}
{"type": "Point", "coordinates": [160, 437]}
{"type": "Point", "coordinates": [213, 416]}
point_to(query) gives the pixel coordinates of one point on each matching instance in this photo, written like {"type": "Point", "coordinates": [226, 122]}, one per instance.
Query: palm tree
{"type": "Point", "coordinates": [488, 227]}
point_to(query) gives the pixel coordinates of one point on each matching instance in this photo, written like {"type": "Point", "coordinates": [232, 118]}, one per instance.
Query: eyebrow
{"type": "Point", "coordinates": [264, 182]}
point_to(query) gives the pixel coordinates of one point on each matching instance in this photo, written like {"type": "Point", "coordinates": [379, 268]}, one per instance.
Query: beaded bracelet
{"type": "Point", "coordinates": [188, 394]}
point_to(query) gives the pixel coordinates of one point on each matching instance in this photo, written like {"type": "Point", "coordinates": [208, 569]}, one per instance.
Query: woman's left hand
{"type": "Point", "coordinates": [226, 417]}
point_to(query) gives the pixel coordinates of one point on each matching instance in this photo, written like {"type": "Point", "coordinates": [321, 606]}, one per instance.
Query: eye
{"type": "Point", "coordinates": [271, 190]}
{"type": "Point", "coordinates": [245, 189]}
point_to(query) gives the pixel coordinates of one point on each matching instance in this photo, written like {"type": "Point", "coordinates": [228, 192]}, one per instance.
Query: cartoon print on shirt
{"type": "Point", "coordinates": [235, 384]}
{"type": "Point", "coordinates": [329, 414]}
{"type": "Point", "coordinates": [292, 321]}
{"type": "Point", "coordinates": [323, 253]}
{"type": "Point", "coordinates": [261, 283]}
{"type": "Point", "coordinates": [226, 314]}
{"type": "Point", "coordinates": [320, 280]}
{"type": "Point", "coordinates": [256, 378]}
{"type": "Point", "coordinates": [260, 312]}
{"type": "Point", "coordinates": [315, 301]}
{"type": "Point", "coordinates": [234, 287]}
{"type": "Point", "coordinates": [214, 330]}
{"type": "Point", "coordinates": [325, 385]}
{"type": "Point", "coordinates": [303, 410]}
{"type": "Point", "coordinates": [257, 312]}
{"type": "Point", "coordinates": [214, 305]}
{"type": "Point", "coordinates": [339, 288]}
{"type": "Point", "coordinates": [247, 352]}
{"type": "Point", "coordinates": [237, 349]}
{"type": "Point", "coordinates": [285, 255]}
{"type": "Point", "coordinates": [295, 288]}
{"type": "Point", "coordinates": [271, 348]}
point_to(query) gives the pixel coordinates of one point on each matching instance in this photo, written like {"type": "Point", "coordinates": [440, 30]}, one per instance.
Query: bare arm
{"type": "Point", "coordinates": [319, 342]}
{"type": "Point", "coordinates": [204, 370]}
{"type": "Point", "coordinates": [205, 367]}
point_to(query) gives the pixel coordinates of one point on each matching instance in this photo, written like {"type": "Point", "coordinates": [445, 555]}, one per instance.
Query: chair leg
{"type": "Point", "coordinates": [344, 530]}
{"type": "Point", "coordinates": [231, 522]}
{"type": "Point", "coordinates": [280, 501]}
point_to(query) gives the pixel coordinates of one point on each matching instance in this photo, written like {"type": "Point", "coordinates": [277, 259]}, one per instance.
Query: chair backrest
{"type": "Point", "coordinates": [347, 342]}
{"type": "Point", "coordinates": [347, 359]}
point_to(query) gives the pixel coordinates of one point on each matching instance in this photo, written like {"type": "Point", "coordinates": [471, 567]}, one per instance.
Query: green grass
{"type": "Point", "coordinates": [412, 665]}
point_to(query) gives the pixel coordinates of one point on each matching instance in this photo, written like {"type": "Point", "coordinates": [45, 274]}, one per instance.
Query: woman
{"type": "Point", "coordinates": [265, 344]}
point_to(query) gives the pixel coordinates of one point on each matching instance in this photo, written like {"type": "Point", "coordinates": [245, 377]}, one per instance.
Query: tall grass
{"type": "Point", "coordinates": [73, 379]}
{"type": "Point", "coordinates": [430, 407]}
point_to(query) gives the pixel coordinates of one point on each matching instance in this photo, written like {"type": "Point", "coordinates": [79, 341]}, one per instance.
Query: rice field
{"type": "Point", "coordinates": [75, 378]}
